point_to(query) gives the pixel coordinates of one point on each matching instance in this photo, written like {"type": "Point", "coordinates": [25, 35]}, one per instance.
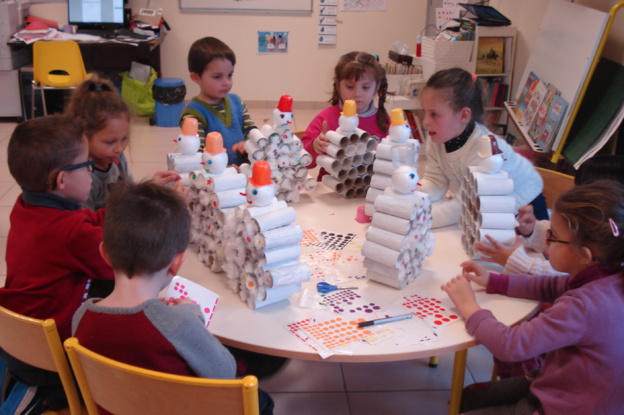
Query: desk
{"type": "Point", "coordinates": [264, 331]}
{"type": "Point", "coordinates": [110, 56]}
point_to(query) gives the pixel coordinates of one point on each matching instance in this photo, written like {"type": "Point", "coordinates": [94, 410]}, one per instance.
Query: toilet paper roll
{"type": "Point", "coordinates": [368, 158]}
{"type": "Point", "coordinates": [337, 139]}
{"type": "Point", "coordinates": [397, 207]}
{"type": "Point", "coordinates": [350, 150]}
{"type": "Point", "coordinates": [372, 194]}
{"type": "Point", "coordinates": [360, 148]}
{"type": "Point", "coordinates": [388, 239]}
{"type": "Point", "coordinates": [346, 163]}
{"type": "Point", "coordinates": [335, 151]}
{"type": "Point", "coordinates": [224, 182]}
{"type": "Point", "coordinates": [287, 275]}
{"type": "Point", "coordinates": [360, 192]}
{"type": "Point", "coordinates": [273, 295]}
{"type": "Point", "coordinates": [310, 183]}
{"type": "Point", "coordinates": [275, 219]}
{"type": "Point", "coordinates": [381, 254]}
{"type": "Point", "coordinates": [499, 204]}
{"type": "Point", "coordinates": [489, 186]}
{"type": "Point", "coordinates": [363, 135]}
{"type": "Point", "coordinates": [504, 236]}
{"type": "Point", "coordinates": [383, 166]}
{"type": "Point", "coordinates": [381, 181]}
{"type": "Point", "coordinates": [497, 220]}
{"type": "Point", "coordinates": [398, 283]}
{"type": "Point", "coordinates": [356, 160]}
{"type": "Point", "coordinates": [333, 183]}
{"type": "Point", "coordinates": [182, 163]}
{"type": "Point", "coordinates": [305, 159]}
{"type": "Point", "coordinates": [348, 193]}
{"type": "Point", "coordinates": [227, 199]}
{"type": "Point", "coordinates": [281, 254]}
{"type": "Point", "coordinates": [274, 238]}
{"type": "Point", "coordinates": [391, 223]}
{"type": "Point", "coordinates": [329, 163]}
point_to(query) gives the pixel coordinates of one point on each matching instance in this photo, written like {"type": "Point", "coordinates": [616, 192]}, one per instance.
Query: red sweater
{"type": "Point", "coordinates": [52, 255]}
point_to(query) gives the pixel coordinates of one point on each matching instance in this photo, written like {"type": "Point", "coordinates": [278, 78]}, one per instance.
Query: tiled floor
{"type": "Point", "coordinates": [301, 387]}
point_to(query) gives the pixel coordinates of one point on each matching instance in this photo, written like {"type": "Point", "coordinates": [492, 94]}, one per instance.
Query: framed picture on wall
{"type": "Point", "coordinates": [491, 55]}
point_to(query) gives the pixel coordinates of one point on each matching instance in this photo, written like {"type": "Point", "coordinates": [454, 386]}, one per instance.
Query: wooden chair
{"type": "Point", "coordinates": [555, 183]}
{"type": "Point", "coordinates": [37, 343]}
{"type": "Point", "coordinates": [129, 390]}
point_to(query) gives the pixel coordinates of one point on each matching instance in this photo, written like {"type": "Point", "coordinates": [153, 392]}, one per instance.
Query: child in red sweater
{"type": "Point", "coordinates": [53, 245]}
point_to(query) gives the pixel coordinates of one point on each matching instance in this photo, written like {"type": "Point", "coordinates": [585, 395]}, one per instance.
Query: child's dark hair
{"type": "Point", "coordinates": [352, 66]}
{"type": "Point", "coordinates": [146, 226]}
{"type": "Point", "coordinates": [601, 167]}
{"type": "Point", "coordinates": [40, 146]}
{"type": "Point", "coordinates": [204, 50]}
{"type": "Point", "coordinates": [595, 215]}
{"type": "Point", "coordinates": [95, 101]}
{"type": "Point", "coordinates": [464, 90]}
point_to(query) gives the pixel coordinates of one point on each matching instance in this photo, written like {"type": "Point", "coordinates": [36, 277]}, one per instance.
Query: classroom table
{"type": "Point", "coordinates": [264, 330]}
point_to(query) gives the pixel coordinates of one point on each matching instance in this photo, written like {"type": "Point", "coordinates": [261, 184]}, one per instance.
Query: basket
{"type": "Point", "coordinates": [457, 52]}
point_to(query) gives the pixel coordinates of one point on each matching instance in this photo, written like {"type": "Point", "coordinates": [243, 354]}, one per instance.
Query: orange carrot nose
{"type": "Point", "coordinates": [349, 108]}
{"type": "Point", "coordinates": [189, 126]}
{"type": "Point", "coordinates": [261, 174]}
{"type": "Point", "coordinates": [214, 143]}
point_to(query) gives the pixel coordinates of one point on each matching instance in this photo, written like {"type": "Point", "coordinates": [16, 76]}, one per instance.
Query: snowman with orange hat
{"type": "Point", "coordinates": [260, 190]}
{"type": "Point", "coordinates": [214, 157]}
{"type": "Point", "coordinates": [188, 140]}
{"type": "Point", "coordinates": [349, 119]}
{"type": "Point", "coordinates": [282, 118]}
{"type": "Point", "coordinates": [491, 157]}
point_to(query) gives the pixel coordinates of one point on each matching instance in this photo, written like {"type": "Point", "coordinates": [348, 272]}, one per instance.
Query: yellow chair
{"type": "Point", "coordinates": [37, 343]}
{"type": "Point", "coordinates": [129, 390]}
{"type": "Point", "coordinates": [56, 65]}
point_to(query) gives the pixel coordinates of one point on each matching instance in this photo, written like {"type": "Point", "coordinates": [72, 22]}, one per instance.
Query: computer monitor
{"type": "Point", "coordinates": [96, 15]}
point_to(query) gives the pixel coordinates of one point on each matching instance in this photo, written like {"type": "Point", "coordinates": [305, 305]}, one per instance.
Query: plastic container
{"type": "Point", "coordinates": [169, 95]}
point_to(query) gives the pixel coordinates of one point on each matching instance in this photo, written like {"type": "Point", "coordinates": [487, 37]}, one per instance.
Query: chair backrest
{"type": "Point", "coordinates": [58, 64]}
{"type": "Point", "coordinates": [555, 183]}
{"type": "Point", "coordinates": [37, 343]}
{"type": "Point", "coordinates": [129, 390]}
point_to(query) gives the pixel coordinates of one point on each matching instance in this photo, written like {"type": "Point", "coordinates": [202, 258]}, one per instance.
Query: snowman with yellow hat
{"type": "Point", "coordinates": [349, 119]}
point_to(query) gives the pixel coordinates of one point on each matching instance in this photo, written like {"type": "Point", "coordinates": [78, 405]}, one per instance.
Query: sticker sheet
{"type": "Point", "coordinates": [431, 310]}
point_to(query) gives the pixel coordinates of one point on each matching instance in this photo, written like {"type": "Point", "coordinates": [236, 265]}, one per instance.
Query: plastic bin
{"type": "Point", "coordinates": [169, 96]}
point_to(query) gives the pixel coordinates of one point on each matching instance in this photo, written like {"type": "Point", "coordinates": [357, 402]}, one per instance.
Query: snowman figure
{"type": "Point", "coordinates": [349, 119]}
{"type": "Point", "coordinates": [491, 156]}
{"type": "Point", "coordinates": [400, 130]}
{"type": "Point", "coordinates": [214, 157]}
{"type": "Point", "coordinates": [405, 180]}
{"type": "Point", "coordinates": [260, 190]}
{"type": "Point", "coordinates": [188, 140]}
{"type": "Point", "coordinates": [283, 117]}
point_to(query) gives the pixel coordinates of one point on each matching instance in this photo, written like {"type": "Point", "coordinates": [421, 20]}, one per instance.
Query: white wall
{"type": "Point", "coordinates": [306, 71]}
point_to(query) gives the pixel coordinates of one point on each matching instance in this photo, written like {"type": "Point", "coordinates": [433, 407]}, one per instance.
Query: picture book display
{"type": "Point", "coordinates": [525, 95]}
{"type": "Point", "coordinates": [545, 136]}
{"type": "Point", "coordinates": [538, 92]}
{"type": "Point", "coordinates": [207, 300]}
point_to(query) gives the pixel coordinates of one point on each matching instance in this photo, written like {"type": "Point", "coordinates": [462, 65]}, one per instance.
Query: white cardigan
{"type": "Point", "coordinates": [444, 170]}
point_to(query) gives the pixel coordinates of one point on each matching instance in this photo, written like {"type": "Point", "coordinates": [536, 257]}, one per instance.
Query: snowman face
{"type": "Point", "coordinates": [348, 123]}
{"type": "Point", "coordinates": [282, 119]}
{"type": "Point", "coordinates": [259, 195]}
{"type": "Point", "coordinates": [215, 163]}
{"type": "Point", "coordinates": [188, 144]}
{"type": "Point", "coordinates": [405, 180]}
{"type": "Point", "coordinates": [491, 164]}
{"type": "Point", "coordinates": [400, 133]}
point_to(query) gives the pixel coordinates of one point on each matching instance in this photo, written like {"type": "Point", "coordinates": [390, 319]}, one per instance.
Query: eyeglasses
{"type": "Point", "coordinates": [549, 238]}
{"type": "Point", "coordinates": [89, 164]}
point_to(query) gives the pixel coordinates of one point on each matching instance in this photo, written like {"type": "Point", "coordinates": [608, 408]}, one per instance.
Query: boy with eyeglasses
{"type": "Point", "coordinates": [53, 244]}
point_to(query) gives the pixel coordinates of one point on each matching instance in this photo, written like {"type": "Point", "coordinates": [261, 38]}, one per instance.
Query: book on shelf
{"type": "Point", "coordinates": [525, 95]}
{"type": "Point", "coordinates": [552, 123]}
{"type": "Point", "coordinates": [537, 125]}
{"type": "Point", "coordinates": [600, 114]}
{"type": "Point", "coordinates": [415, 125]}
{"type": "Point", "coordinates": [490, 55]}
{"type": "Point", "coordinates": [539, 89]}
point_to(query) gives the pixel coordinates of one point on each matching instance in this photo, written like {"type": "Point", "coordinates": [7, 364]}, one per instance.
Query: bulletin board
{"type": "Point", "coordinates": [564, 50]}
{"type": "Point", "coordinates": [248, 6]}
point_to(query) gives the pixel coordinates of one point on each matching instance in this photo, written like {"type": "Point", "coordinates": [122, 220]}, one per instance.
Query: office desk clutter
{"type": "Point", "coordinates": [349, 157]}
{"type": "Point", "coordinates": [489, 207]}
{"type": "Point", "coordinates": [261, 244]}
{"type": "Point", "coordinates": [283, 150]}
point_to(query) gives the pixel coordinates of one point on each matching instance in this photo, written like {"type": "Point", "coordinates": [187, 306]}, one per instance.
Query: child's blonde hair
{"type": "Point", "coordinates": [352, 66]}
{"type": "Point", "coordinates": [93, 102]}
{"type": "Point", "coordinates": [595, 216]}
{"type": "Point", "coordinates": [463, 90]}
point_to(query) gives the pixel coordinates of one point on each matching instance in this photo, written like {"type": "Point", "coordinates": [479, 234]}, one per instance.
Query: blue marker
{"type": "Point", "coordinates": [384, 320]}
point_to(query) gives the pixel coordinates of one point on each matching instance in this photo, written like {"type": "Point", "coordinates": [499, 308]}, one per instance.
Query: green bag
{"type": "Point", "coordinates": [138, 95]}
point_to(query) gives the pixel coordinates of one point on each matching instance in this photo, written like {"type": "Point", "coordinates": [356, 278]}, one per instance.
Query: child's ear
{"type": "Point", "coordinates": [195, 77]}
{"type": "Point", "coordinates": [104, 254]}
{"type": "Point", "coordinates": [465, 115]}
{"type": "Point", "coordinates": [176, 264]}
{"type": "Point", "coordinates": [586, 256]}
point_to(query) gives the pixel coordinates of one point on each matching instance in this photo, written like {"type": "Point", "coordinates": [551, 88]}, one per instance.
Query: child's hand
{"type": "Point", "coordinates": [165, 177]}
{"type": "Point", "coordinates": [475, 272]}
{"type": "Point", "coordinates": [240, 147]}
{"type": "Point", "coordinates": [321, 142]}
{"type": "Point", "coordinates": [180, 301]}
{"type": "Point", "coordinates": [461, 294]}
{"type": "Point", "coordinates": [496, 251]}
{"type": "Point", "coordinates": [183, 191]}
{"type": "Point", "coordinates": [526, 220]}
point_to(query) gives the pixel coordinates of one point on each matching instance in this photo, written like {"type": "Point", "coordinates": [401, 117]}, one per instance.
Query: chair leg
{"type": "Point", "coordinates": [32, 101]}
{"type": "Point", "coordinates": [433, 361]}
{"type": "Point", "coordinates": [43, 102]}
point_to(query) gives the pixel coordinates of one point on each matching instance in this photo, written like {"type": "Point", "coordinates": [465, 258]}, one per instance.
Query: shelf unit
{"type": "Point", "coordinates": [508, 34]}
